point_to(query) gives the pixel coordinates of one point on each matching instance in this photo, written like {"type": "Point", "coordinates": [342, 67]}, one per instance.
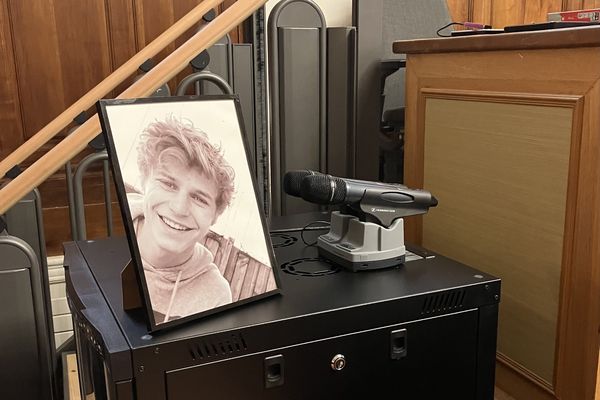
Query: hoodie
{"type": "Point", "coordinates": [185, 289]}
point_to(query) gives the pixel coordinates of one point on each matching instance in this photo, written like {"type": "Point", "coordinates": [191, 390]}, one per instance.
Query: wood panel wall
{"type": "Point", "coordinates": [51, 54]}
{"type": "Point", "coordinates": [501, 13]}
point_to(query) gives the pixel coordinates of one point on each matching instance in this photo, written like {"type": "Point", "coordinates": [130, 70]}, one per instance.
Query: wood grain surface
{"type": "Point", "coordinates": [524, 75]}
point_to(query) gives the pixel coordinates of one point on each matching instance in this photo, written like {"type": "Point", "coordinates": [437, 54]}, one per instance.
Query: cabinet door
{"type": "Point", "coordinates": [441, 350]}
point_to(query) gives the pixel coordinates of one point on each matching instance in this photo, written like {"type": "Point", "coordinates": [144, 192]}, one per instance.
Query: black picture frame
{"type": "Point", "coordinates": [244, 254]}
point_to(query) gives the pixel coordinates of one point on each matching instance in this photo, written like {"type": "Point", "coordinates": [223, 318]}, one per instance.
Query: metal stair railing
{"type": "Point", "coordinates": [80, 232]}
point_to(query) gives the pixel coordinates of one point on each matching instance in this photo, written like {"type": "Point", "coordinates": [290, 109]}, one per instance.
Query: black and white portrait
{"type": "Point", "coordinates": [191, 207]}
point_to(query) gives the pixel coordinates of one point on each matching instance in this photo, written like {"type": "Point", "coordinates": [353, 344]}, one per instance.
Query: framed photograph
{"type": "Point", "coordinates": [189, 203]}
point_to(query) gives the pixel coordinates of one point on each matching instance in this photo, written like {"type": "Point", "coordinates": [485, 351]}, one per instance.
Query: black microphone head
{"type": "Point", "coordinates": [292, 180]}
{"type": "Point", "coordinates": [323, 189]}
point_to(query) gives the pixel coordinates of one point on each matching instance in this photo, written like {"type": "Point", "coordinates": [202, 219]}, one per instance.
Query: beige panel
{"type": "Point", "coordinates": [61, 338]}
{"type": "Point", "coordinates": [499, 172]}
{"type": "Point", "coordinates": [62, 323]}
{"type": "Point", "coordinates": [57, 290]}
{"type": "Point", "coordinates": [60, 306]}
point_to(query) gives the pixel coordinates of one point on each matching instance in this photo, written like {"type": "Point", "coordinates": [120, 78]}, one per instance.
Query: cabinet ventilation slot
{"type": "Point", "coordinates": [445, 301]}
{"type": "Point", "coordinates": [210, 349]}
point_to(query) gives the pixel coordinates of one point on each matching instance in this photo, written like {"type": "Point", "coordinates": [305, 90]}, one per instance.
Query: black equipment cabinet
{"type": "Point", "coordinates": [424, 330]}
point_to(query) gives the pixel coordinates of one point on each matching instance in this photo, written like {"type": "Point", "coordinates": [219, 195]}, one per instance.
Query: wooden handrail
{"type": "Point", "coordinates": [108, 84]}
{"type": "Point", "coordinates": [157, 76]}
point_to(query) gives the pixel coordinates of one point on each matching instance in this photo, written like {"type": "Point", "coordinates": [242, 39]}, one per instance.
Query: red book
{"type": "Point", "coordinates": [590, 15]}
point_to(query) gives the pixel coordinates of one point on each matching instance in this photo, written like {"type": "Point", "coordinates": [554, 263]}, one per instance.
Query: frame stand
{"type": "Point", "coordinates": [362, 246]}
{"type": "Point", "coordinates": [130, 288]}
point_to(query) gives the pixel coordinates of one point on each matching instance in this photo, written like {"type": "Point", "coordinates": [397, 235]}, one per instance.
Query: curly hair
{"type": "Point", "coordinates": [183, 142]}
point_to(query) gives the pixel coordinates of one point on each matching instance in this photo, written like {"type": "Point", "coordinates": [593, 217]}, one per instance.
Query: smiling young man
{"type": "Point", "coordinates": [186, 184]}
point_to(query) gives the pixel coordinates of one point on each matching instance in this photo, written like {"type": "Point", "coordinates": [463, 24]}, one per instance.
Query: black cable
{"type": "Point", "coordinates": [289, 230]}
{"type": "Point", "coordinates": [470, 25]}
{"type": "Point", "coordinates": [307, 227]}
{"type": "Point", "coordinates": [447, 26]}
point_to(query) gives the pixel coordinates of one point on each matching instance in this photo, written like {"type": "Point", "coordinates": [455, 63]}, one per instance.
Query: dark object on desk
{"type": "Point", "coordinates": [368, 231]}
{"type": "Point", "coordinates": [470, 27]}
{"type": "Point", "coordinates": [330, 333]}
{"type": "Point", "coordinates": [546, 25]}
{"type": "Point", "coordinates": [470, 32]}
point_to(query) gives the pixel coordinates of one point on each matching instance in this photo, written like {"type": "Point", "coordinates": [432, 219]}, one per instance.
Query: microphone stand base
{"type": "Point", "coordinates": [362, 246]}
{"type": "Point", "coordinates": [361, 265]}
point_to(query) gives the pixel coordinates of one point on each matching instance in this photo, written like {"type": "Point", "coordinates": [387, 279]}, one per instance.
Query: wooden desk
{"type": "Point", "coordinates": [505, 131]}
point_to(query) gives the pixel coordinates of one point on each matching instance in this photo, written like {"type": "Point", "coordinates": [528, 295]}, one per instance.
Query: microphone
{"type": "Point", "coordinates": [326, 189]}
{"type": "Point", "coordinates": [292, 181]}
{"type": "Point", "coordinates": [384, 201]}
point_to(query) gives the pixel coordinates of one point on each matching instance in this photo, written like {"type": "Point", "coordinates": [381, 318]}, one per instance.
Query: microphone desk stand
{"type": "Point", "coordinates": [362, 246]}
